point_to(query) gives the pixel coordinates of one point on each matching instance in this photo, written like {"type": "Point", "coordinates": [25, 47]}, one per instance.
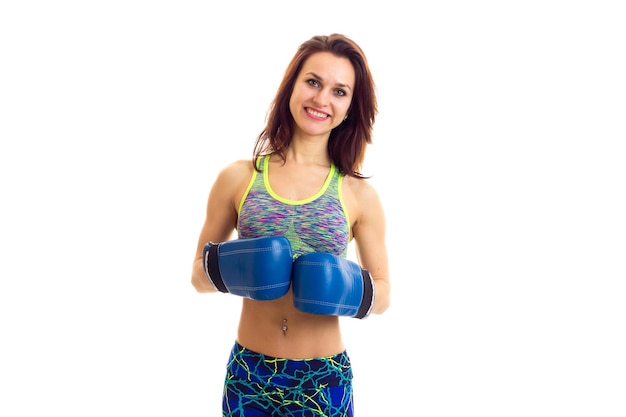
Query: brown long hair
{"type": "Point", "coordinates": [347, 142]}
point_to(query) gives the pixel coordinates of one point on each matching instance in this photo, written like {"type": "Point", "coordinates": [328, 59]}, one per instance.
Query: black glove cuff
{"type": "Point", "coordinates": [211, 266]}
{"type": "Point", "coordinates": [369, 295]}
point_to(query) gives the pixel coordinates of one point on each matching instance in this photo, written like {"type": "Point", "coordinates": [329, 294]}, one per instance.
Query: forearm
{"type": "Point", "coordinates": [199, 279]}
{"type": "Point", "coordinates": [382, 301]}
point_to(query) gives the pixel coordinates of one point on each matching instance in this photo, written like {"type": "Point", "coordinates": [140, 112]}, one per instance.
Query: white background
{"type": "Point", "coordinates": [498, 155]}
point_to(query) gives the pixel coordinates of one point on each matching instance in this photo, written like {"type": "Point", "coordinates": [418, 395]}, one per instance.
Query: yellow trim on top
{"type": "Point", "coordinates": [271, 192]}
{"type": "Point", "coordinates": [343, 205]}
{"type": "Point", "coordinates": [245, 194]}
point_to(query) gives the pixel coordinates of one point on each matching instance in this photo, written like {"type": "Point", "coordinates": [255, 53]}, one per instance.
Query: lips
{"type": "Point", "coordinates": [317, 114]}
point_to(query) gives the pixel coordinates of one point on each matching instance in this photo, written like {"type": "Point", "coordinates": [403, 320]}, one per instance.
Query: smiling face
{"type": "Point", "coordinates": [322, 94]}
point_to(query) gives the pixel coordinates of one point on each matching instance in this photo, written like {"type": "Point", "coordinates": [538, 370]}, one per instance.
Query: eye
{"type": "Point", "coordinates": [341, 92]}
{"type": "Point", "coordinates": [313, 82]}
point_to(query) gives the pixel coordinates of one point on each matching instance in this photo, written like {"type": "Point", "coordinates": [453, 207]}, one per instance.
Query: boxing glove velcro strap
{"type": "Point", "coordinates": [369, 295]}
{"type": "Point", "coordinates": [211, 267]}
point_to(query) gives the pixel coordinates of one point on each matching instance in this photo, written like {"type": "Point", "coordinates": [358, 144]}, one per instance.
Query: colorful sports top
{"type": "Point", "coordinates": [317, 224]}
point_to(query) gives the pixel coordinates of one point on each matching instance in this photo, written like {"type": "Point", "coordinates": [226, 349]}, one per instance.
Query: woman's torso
{"type": "Point", "coordinates": [313, 219]}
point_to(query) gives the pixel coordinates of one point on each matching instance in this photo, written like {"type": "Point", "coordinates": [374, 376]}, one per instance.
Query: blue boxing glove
{"type": "Point", "coordinates": [258, 268]}
{"type": "Point", "coordinates": [327, 284]}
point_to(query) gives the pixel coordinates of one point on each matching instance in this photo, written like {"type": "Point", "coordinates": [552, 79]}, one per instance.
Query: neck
{"type": "Point", "coordinates": [306, 151]}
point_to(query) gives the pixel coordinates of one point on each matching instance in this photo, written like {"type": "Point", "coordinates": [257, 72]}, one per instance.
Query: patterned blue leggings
{"type": "Point", "coordinates": [257, 385]}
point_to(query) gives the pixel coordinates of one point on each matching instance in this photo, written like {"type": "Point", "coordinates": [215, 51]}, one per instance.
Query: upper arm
{"type": "Point", "coordinates": [221, 212]}
{"type": "Point", "coordinates": [221, 215]}
{"type": "Point", "coordinates": [369, 232]}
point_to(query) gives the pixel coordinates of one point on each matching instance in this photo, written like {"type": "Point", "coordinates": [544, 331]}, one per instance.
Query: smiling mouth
{"type": "Point", "coordinates": [317, 114]}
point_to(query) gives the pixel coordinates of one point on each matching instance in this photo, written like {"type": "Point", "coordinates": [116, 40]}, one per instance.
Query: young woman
{"type": "Point", "coordinates": [294, 208]}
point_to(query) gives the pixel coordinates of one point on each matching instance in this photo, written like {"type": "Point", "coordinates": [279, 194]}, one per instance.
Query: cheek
{"type": "Point", "coordinates": [295, 99]}
{"type": "Point", "coordinates": [292, 104]}
{"type": "Point", "coordinates": [345, 108]}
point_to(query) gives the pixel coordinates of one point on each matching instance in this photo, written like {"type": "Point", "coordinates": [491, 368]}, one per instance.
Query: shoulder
{"type": "Point", "coordinates": [233, 179]}
{"type": "Point", "coordinates": [362, 200]}
{"type": "Point", "coordinates": [236, 172]}
{"type": "Point", "coordinates": [360, 189]}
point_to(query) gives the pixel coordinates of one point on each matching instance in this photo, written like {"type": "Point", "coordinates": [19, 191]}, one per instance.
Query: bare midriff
{"type": "Point", "coordinates": [276, 328]}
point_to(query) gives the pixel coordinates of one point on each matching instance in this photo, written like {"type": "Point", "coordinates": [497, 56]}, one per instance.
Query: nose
{"type": "Point", "coordinates": [322, 98]}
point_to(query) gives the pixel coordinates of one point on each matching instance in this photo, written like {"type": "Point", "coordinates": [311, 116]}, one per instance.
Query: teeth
{"type": "Point", "coordinates": [316, 114]}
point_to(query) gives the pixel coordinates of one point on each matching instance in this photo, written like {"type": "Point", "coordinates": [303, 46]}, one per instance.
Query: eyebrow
{"type": "Point", "coordinates": [342, 85]}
